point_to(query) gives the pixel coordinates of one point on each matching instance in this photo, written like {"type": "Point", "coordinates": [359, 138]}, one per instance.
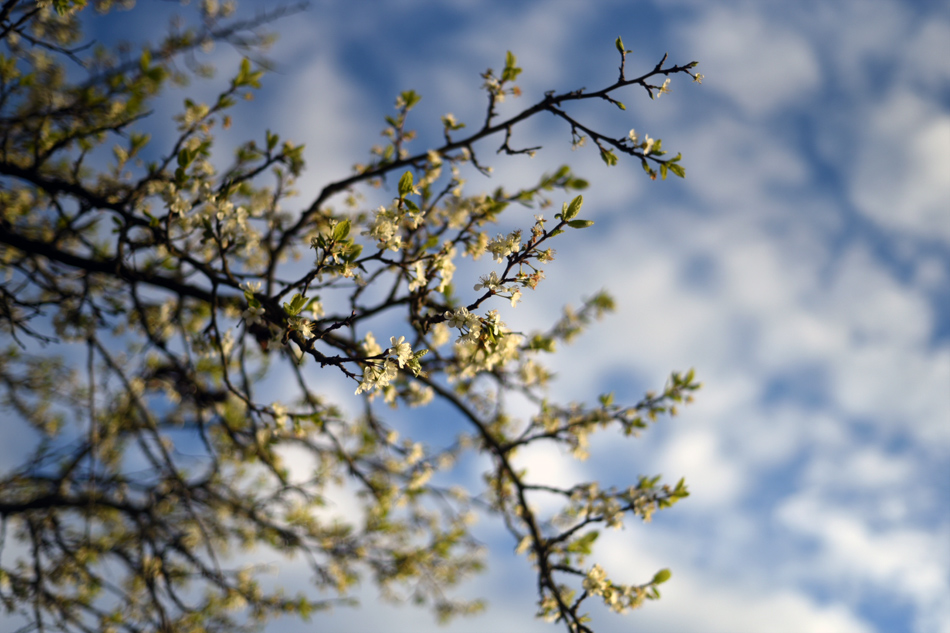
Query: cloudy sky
{"type": "Point", "coordinates": [802, 267]}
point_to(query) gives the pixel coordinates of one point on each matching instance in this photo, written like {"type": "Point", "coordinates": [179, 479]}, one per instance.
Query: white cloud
{"type": "Point", "coordinates": [904, 562]}
{"type": "Point", "coordinates": [901, 173]}
{"type": "Point", "coordinates": [323, 109]}
{"type": "Point", "coordinates": [707, 605]}
{"type": "Point", "coordinates": [867, 468]}
{"type": "Point", "coordinates": [737, 165]}
{"type": "Point", "coordinates": [715, 478]}
{"type": "Point", "coordinates": [928, 54]}
{"type": "Point", "coordinates": [857, 36]}
{"type": "Point", "coordinates": [747, 599]}
{"type": "Point", "coordinates": [761, 65]}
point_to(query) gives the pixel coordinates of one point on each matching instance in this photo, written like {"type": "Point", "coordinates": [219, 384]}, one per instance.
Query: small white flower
{"type": "Point", "coordinates": [440, 335]}
{"type": "Point", "coordinates": [385, 230]}
{"type": "Point", "coordinates": [459, 318]}
{"type": "Point", "coordinates": [401, 350]}
{"type": "Point", "coordinates": [502, 247]}
{"type": "Point", "coordinates": [418, 396]}
{"type": "Point", "coordinates": [370, 346]}
{"type": "Point", "coordinates": [489, 282]}
{"type": "Point", "coordinates": [279, 412]}
{"type": "Point", "coordinates": [253, 315]}
{"type": "Point", "coordinates": [304, 326]}
{"type": "Point", "coordinates": [377, 376]}
{"type": "Point", "coordinates": [596, 581]}
{"type": "Point", "coordinates": [419, 274]}
{"type": "Point", "coordinates": [648, 144]}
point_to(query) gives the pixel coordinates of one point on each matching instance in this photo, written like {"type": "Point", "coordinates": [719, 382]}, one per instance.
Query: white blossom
{"type": "Point", "coordinates": [647, 144]}
{"type": "Point", "coordinates": [502, 247]}
{"type": "Point", "coordinates": [377, 376]}
{"type": "Point", "coordinates": [595, 583]}
{"type": "Point", "coordinates": [370, 346]}
{"type": "Point", "coordinates": [385, 230]}
{"type": "Point", "coordinates": [279, 412]}
{"type": "Point", "coordinates": [253, 315]}
{"type": "Point", "coordinates": [489, 282]}
{"type": "Point", "coordinates": [401, 350]}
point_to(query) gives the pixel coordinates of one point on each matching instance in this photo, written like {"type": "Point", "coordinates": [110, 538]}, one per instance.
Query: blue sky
{"type": "Point", "coordinates": [803, 269]}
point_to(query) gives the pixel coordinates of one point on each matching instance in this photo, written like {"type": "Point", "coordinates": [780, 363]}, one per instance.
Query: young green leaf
{"type": "Point", "coordinates": [405, 184]}
{"type": "Point", "coordinates": [571, 210]}
{"type": "Point", "coordinates": [408, 99]}
{"type": "Point", "coordinates": [608, 157]}
{"type": "Point", "coordinates": [341, 230]}
{"type": "Point", "coordinates": [584, 544]}
{"type": "Point", "coordinates": [296, 305]}
{"type": "Point", "coordinates": [661, 576]}
{"type": "Point", "coordinates": [511, 71]}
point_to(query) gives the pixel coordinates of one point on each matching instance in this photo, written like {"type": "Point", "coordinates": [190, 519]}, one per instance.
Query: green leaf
{"type": "Point", "coordinates": [661, 576]}
{"type": "Point", "coordinates": [608, 157]}
{"type": "Point", "coordinates": [296, 304]}
{"type": "Point", "coordinates": [584, 544]}
{"type": "Point", "coordinates": [244, 73]}
{"type": "Point", "coordinates": [619, 44]}
{"type": "Point", "coordinates": [511, 71]}
{"type": "Point", "coordinates": [580, 224]}
{"type": "Point", "coordinates": [542, 343]}
{"type": "Point", "coordinates": [409, 98]}
{"type": "Point", "coordinates": [571, 210]}
{"type": "Point", "coordinates": [405, 184]}
{"type": "Point", "coordinates": [353, 252]}
{"type": "Point", "coordinates": [677, 169]}
{"type": "Point", "coordinates": [65, 7]}
{"type": "Point", "coordinates": [341, 230]}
